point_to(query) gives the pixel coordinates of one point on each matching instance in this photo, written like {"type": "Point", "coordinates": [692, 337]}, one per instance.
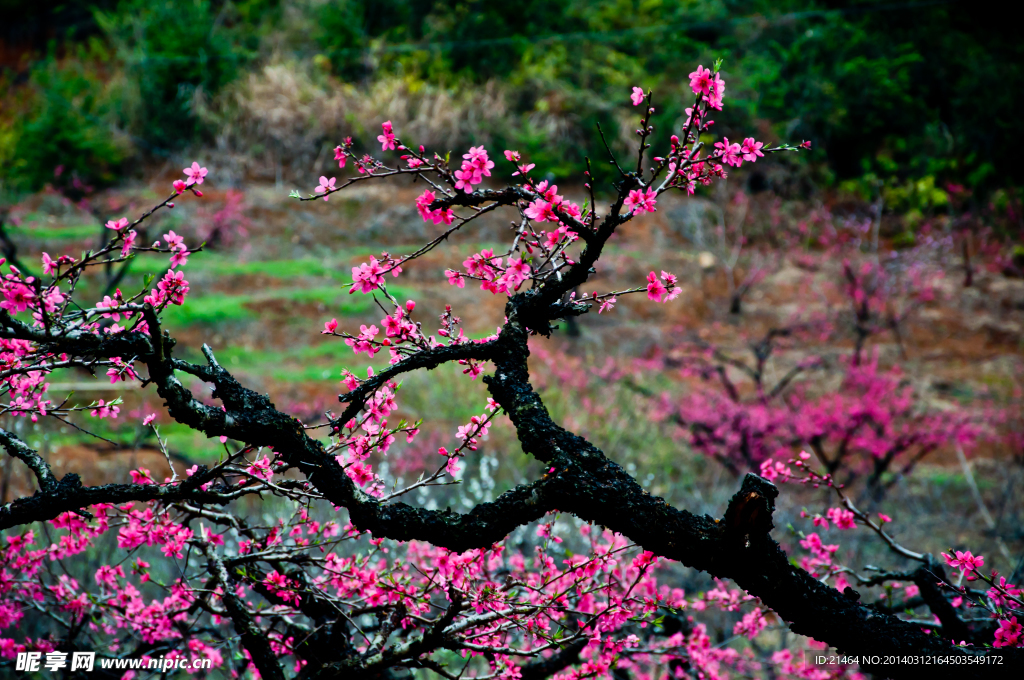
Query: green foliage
{"type": "Point", "coordinates": [65, 123]}
{"type": "Point", "coordinates": [172, 53]}
{"type": "Point", "coordinates": [216, 309]}
{"type": "Point", "coordinates": [895, 91]}
{"type": "Point", "coordinates": [348, 30]}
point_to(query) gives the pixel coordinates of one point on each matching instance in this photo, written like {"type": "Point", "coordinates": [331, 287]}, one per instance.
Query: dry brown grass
{"type": "Point", "coordinates": [287, 115]}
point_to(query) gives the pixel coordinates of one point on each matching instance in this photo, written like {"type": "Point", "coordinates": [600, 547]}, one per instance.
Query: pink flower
{"type": "Point", "coordinates": [179, 257]}
{"type": "Point", "coordinates": [179, 185]}
{"type": "Point", "coordinates": [843, 519]}
{"type": "Point", "coordinates": [467, 176]}
{"type": "Point", "coordinates": [51, 299]}
{"type": "Point", "coordinates": [475, 166]}
{"type": "Point", "coordinates": [364, 343]}
{"type": "Point", "coordinates": [638, 96]}
{"type": "Point", "coordinates": [120, 371]}
{"type": "Point", "coordinates": [260, 469]}
{"type": "Point", "coordinates": [541, 211]}
{"type": "Point", "coordinates": [141, 476]}
{"type": "Point", "coordinates": [173, 241]}
{"type": "Point", "coordinates": [640, 201]}
{"type": "Point", "coordinates": [148, 419]}
{"type": "Point", "coordinates": [700, 80]}
{"type": "Point", "coordinates": [104, 410]}
{"type": "Point", "coordinates": [751, 149]}
{"type": "Point", "coordinates": [129, 241]}
{"type": "Point", "coordinates": [455, 278]}
{"type": "Point", "coordinates": [964, 561]}
{"type": "Point", "coordinates": [173, 286]}
{"type": "Point", "coordinates": [512, 156]}
{"type": "Point", "coordinates": [663, 290]}
{"type": "Point", "coordinates": [276, 582]}
{"type": "Point", "coordinates": [1008, 634]}
{"type": "Point", "coordinates": [423, 202]}
{"type": "Point", "coordinates": [339, 155]}
{"type": "Point", "coordinates": [367, 276]}
{"type": "Point", "coordinates": [108, 303]}
{"type": "Point", "coordinates": [118, 225]}
{"type": "Point", "coordinates": [195, 174]}
{"type": "Point", "coordinates": [751, 625]}
{"type": "Point", "coordinates": [656, 290]}
{"type": "Point", "coordinates": [49, 266]}
{"type": "Point", "coordinates": [326, 185]}
{"type": "Point", "coordinates": [644, 559]}
{"type": "Point", "coordinates": [714, 99]}
{"type": "Point", "coordinates": [17, 297]}
{"type": "Point", "coordinates": [732, 154]}
{"type": "Point", "coordinates": [607, 304]}
{"type": "Point", "coordinates": [452, 466]}
{"type": "Point", "coordinates": [438, 216]}
{"type": "Point", "coordinates": [387, 140]}
{"type": "Point", "coordinates": [360, 473]}
{"type": "Point", "coordinates": [330, 326]}
{"type": "Point", "coordinates": [884, 518]}
{"type": "Point", "coordinates": [524, 168]}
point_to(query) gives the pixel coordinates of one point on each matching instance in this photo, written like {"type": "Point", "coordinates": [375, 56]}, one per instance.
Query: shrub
{"type": "Point", "coordinates": [65, 132]}
{"type": "Point", "coordinates": [172, 53]}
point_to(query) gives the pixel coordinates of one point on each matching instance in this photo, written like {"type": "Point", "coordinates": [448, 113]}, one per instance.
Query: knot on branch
{"type": "Point", "coordinates": [506, 196]}
{"type": "Point", "coordinates": [69, 484]}
{"type": "Point", "coordinates": [750, 510]}
{"type": "Point", "coordinates": [564, 310]}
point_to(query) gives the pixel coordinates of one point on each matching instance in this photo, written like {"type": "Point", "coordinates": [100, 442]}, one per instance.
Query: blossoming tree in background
{"type": "Point", "coordinates": [339, 577]}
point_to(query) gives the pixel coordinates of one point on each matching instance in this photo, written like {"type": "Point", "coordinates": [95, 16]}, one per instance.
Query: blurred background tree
{"type": "Point", "coordinates": [893, 94]}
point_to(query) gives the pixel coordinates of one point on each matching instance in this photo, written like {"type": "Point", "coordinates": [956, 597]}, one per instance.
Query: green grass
{"type": "Point", "coordinates": [322, 361]}
{"type": "Point", "coordinates": [41, 231]}
{"type": "Point", "coordinates": [219, 265]}
{"type": "Point", "coordinates": [220, 308]}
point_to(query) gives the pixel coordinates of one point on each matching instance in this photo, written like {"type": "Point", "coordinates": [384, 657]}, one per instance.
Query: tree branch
{"type": "Point", "coordinates": [253, 637]}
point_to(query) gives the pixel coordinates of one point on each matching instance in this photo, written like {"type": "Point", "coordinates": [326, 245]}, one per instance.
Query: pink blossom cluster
{"type": "Point", "coordinates": [522, 168]}
{"type": "Point", "coordinates": [872, 411]}
{"type": "Point", "coordinates": [734, 153]}
{"type": "Point", "coordinates": [475, 166]}
{"type": "Point", "coordinates": [47, 302]}
{"type": "Point", "coordinates": [439, 216]}
{"type": "Point", "coordinates": [512, 604]}
{"type": "Point", "coordinates": [493, 275]}
{"type": "Point", "coordinates": [369, 276]}
{"type": "Point", "coordinates": [664, 289]}
{"type": "Point", "coordinates": [549, 205]}
{"type": "Point", "coordinates": [709, 86]}
{"type": "Point", "coordinates": [640, 202]}
{"type": "Point", "coordinates": [538, 202]}
{"type": "Point", "coordinates": [965, 561]}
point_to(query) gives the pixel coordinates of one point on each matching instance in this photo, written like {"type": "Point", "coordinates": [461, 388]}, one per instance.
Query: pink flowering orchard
{"type": "Point", "coordinates": [570, 575]}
